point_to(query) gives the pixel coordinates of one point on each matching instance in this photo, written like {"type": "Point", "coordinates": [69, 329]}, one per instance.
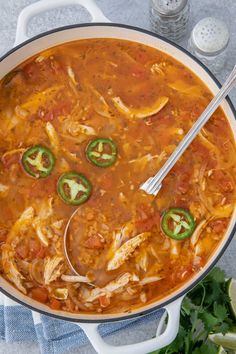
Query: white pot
{"type": "Point", "coordinates": [105, 29]}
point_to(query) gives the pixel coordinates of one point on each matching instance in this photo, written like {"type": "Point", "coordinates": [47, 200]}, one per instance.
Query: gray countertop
{"type": "Point", "coordinates": [133, 12]}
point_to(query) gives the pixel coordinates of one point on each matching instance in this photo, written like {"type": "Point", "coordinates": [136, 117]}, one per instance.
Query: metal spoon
{"type": "Point", "coordinates": [153, 184]}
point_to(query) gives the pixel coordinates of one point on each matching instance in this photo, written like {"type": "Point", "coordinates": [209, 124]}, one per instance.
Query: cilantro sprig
{"type": "Point", "coordinates": [205, 310]}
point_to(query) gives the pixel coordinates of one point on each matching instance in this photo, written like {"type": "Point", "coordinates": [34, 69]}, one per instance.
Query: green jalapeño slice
{"type": "Point", "coordinates": [38, 161]}
{"type": "Point", "coordinates": [102, 152]}
{"type": "Point", "coordinates": [74, 188]}
{"type": "Point", "coordinates": [177, 223]}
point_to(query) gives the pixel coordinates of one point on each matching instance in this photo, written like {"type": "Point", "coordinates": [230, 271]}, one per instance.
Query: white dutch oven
{"type": "Point", "coordinates": [102, 28]}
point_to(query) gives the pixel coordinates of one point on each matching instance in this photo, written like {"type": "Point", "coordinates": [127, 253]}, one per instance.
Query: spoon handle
{"type": "Point", "coordinates": [153, 184]}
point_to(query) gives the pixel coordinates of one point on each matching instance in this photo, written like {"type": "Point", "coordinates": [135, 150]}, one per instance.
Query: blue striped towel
{"type": "Point", "coordinates": [18, 323]}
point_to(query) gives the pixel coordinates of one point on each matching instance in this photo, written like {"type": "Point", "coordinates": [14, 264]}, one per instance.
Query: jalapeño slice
{"type": "Point", "coordinates": [38, 161]}
{"type": "Point", "coordinates": [74, 188]}
{"type": "Point", "coordinates": [102, 152]}
{"type": "Point", "coordinates": [177, 223]}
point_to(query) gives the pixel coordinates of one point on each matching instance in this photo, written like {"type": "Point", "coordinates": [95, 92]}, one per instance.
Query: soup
{"type": "Point", "coordinates": [83, 125]}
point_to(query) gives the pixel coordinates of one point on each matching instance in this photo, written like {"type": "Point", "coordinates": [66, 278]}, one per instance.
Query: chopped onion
{"type": "Point", "coordinates": [60, 293]}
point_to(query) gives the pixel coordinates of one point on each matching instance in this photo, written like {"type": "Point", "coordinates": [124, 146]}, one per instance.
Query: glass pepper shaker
{"type": "Point", "coordinates": [208, 42]}
{"type": "Point", "coordinates": [169, 18]}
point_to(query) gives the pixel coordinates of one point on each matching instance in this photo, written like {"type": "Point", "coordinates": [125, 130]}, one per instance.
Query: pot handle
{"type": "Point", "coordinates": [41, 6]}
{"type": "Point", "coordinates": [158, 342]}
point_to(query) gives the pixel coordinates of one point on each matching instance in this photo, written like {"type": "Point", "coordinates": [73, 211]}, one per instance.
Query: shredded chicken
{"type": "Point", "coordinates": [75, 128]}
{"type": "Point", "coordinates": [71, 75]}
{"type": "Point", "coordinates": [203, 198]}
{"type": "Point", "coordinates": [99, 103]}
{"type": "Point", "coordinates": [10, 268]}
{"type": "Point", "coordinates": [127, 231]}
{"type": "Point", "coordinates": [57, 225]}
{"type": "Point", "coordinates": [22, 223]}
{"type": "Point", "coordinates": [143, 297]}
{"type": "Point", "coordinates": [53, 137]}
{"type": "Point", "coordinates": [75, 278]}
{"type": "Point", "coordinates": [45, 209]}
{"type": "Point", "coordinates": [20, 112]}
{"type": "Point", "coordinates": [142, 112]}
{"type": "Point", "coordinates": [174, 248]}
{"type": "Point", "coordinates": [149, 280]}
{"type": "Point", "coordinates": [40, 233]}
{"type": "Point", "coordinates": [142, 161]}
{"type": "Point", "coordinates": [158, 68]}
{"type": "Point", "coordinates": [52, 269]}
{"type": "Point", "coordinates": [142, 260]}
{"type": "Point", "coordinates": [3, 190]}
{"type": "Point", "coordinates": [125, 251]}
{"type": "Point", "coordinates": [111, 287]}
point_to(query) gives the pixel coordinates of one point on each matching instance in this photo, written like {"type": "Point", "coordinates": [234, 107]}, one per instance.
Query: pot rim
{"type": "Point", "coordinates": [230, 236]}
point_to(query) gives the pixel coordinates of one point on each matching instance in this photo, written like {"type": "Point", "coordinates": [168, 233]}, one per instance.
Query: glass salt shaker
{"type": "Point", "coordinates": [208, 42]}
{"type": "Point", "coordinates": [169, 18]}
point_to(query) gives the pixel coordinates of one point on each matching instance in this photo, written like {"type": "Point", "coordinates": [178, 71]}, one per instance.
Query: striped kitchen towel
{"type": "Point", "coordinates": [18, 324]}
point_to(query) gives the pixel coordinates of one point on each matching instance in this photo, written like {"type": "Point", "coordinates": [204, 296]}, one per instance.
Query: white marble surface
{"type": "Point", "coordinates": [134, 12]}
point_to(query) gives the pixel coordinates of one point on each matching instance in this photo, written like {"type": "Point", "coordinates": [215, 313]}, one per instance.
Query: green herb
{"type": "Point", "coordinates": [205, 310]}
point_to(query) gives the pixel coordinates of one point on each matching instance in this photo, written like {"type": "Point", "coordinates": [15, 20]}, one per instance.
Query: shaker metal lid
{"type": "Point", "coordinates": [210, 36]}
{"type": "Point", "coordinates": [169, 7]}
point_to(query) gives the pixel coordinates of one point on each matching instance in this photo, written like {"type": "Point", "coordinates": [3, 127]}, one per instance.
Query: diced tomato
{"type": "Point", "coordinates": [95, 242]}
{"type": "Point", "coordinates": [22, 251]}
{"type": "Point", "coordinates": [40, 294]}
{"type": "Point", "coordinates": [218, 226]}
{"type": "Point", "coordinates": [147, 224]}
{"type": "Point", "coordinates": [55, 304]}
{"type": "Point", "coordinates": [61, 108]}
{"type": "Point", "coordinates": [45, 115]}
{"type": "Point", "coordinates": [104, 301]}
{"type": "Point", "coordinates": [49, 116]}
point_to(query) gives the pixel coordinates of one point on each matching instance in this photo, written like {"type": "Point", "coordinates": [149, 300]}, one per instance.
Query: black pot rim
{"type": "Point", "coordinates": [230, 237]}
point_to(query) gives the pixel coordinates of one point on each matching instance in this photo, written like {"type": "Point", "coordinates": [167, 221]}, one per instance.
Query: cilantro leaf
{"type": "Point", "coordinates": [206, 348]}
{"type": "Point", "coordinates": [188, 305]}
{"type": "Point", "coordinates": [209, 320]}
{"type": "Point", "coordinates": [217, 275]}
{"type": "Point", "coordinates": [220, 311]}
